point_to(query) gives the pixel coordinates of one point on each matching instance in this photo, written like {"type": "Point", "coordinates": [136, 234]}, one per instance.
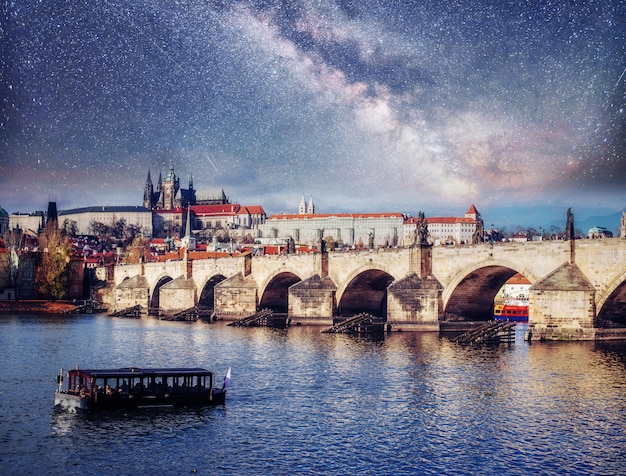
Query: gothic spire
{"type": "Point", "coordinates": [302, 207]}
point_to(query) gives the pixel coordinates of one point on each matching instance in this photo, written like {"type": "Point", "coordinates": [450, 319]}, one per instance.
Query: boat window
{"type": "Point", "coordinates": [176, 383]}
{"type": "Point", "coordinates": [99, 384]}
{"type": "Point", "coordinates": [123, 387]}
{"type": "Point", "coordinates": [138, 385]}
{"type": "Point", "coordinates": [171, 384]}
{"type": "Point", "coordinates": [159, 386]}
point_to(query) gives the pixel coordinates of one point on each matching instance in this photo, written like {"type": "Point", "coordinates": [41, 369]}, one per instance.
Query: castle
{"type": "Point", "coordinates": [169, 195]}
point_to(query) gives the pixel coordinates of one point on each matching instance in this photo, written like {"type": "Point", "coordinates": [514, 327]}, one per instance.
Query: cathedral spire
{"type": "Point", "coordinates": [311, 208]}
{"type": "Point", "coordinates": [171, 176]}
{"type": "Point", "coordinates": [148, 191]}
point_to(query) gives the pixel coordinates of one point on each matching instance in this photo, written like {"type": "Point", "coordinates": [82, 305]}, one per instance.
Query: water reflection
{"type": "Point", "coordinates": [313, 403]}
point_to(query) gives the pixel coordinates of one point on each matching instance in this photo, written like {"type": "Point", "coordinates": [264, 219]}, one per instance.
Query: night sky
{"type": "Point", "coordinates": [368, 106]}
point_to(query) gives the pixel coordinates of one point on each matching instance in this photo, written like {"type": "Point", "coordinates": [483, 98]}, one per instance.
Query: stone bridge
{"type": "Point", "coordinates": [577, 286]}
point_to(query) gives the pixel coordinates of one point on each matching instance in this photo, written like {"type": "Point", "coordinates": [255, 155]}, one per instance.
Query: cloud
{"type": "Point", "coordinates": [362, 104]}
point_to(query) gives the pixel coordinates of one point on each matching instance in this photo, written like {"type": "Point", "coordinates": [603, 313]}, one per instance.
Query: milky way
{"type": "Point", "coordinates": [366, 105]}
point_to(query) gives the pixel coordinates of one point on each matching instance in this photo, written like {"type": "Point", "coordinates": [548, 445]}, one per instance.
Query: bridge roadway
{"type": "Point", "coordinates": [576, 285]}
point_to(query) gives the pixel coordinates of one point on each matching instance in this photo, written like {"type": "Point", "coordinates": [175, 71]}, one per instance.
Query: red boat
{"type": "Point", "coordinates": [510, 312]}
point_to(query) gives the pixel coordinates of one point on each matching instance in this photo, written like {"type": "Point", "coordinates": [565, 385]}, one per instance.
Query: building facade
{"type": "Point", "coordinates": [84, 218]}
{"type": "Point", "coordinates": [347, 229]}
{"type": "Point", "coordinates": [448, 230]}
{"type": "Point", "coordinates": [34, 221]}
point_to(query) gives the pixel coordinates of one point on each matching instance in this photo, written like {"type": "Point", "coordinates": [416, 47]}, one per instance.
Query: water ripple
{"type": "Point", "coordinates": [309, 403]}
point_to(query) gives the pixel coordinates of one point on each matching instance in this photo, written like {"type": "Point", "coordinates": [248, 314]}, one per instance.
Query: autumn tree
{"type": "Point", "coordinates": [138, 251]}
{"type": "Point", "coordinates": [51, 279]}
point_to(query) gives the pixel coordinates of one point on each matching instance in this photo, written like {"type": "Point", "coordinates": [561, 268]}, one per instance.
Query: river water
{"type": "Point", "coordinates": [302, 402]}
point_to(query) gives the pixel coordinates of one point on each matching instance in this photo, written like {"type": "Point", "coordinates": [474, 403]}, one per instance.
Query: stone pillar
{"type": "Point", "coordinates": [177, 295]}
{"type": "Point", "coordinates": [236, 297]}
{"type": "Point", "coordinates": [562, 306]}
{"type": "Point", "coordinates": [414, 303]}
{"type": "Point", "coordinates": [188, 266]}
{"type": "Point", "coordinates": [312, 301]}
{"type": "Point", "coordinates": [421, 259]}
{"type": "Point", "coordinates": [132, 292]}
{"type": "Point", "coordinates": [247, 264]}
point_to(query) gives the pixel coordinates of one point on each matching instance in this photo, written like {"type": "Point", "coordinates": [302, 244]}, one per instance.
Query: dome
{"type": "Point", "coordinates": [3, 213]}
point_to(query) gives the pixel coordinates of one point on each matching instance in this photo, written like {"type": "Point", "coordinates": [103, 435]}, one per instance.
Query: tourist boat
{"type": "Point", "coordinates": [511, 311]}
{"type": "Point", "coordinates": [132, 388]}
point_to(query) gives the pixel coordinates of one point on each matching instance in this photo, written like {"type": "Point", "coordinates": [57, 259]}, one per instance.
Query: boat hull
{"type": "Point", "coordinates": [511, 313]}
{"type": "Point", "coordinates": [76, 403]}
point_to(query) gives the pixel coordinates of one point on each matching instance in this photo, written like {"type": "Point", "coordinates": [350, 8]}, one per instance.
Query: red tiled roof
{"type": "Point", "coordinates": [472, 210]}
{"type": "Point", "coordinates": [518, 279]}
{"type": "Point", "coordinates": [228, 208]}
{"type": "Point", "coordinates": [253, 210]}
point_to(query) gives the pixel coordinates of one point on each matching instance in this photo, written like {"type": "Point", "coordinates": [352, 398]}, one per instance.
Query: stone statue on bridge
{"type": "Point", "coordinates": [569, 225]}
{"type": "Point", "coordinates": [421, 237]}
{"type": "Point", "coordinates": [291, 246]}
{"type": "Point", "coordinates": [623, 226]}
{"type": "Point", "coordinates": [479, 234]}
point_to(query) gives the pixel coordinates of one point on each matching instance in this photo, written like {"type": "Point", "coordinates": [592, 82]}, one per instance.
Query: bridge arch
{"type": "Point", "coordinates": [275, 295]}
{"type": "Point", "coordinates": [365, 291]}
{"type": "Point", "coordinates": [611, 302]}
{"type": "Point", "coordinates": [206, 299]}
{"type": "Point", "coordinates": [470, 295]}
{"type": "Point", "coordinates": [154, 303]}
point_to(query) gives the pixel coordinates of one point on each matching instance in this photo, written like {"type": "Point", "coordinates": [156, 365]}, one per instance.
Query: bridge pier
{"type": "Point", "coordinates": [414, 303]}
{"type": "Point", "coordinates": [312, 301]}
{"type": "Point", "coordinates": [132, 292]}
{"type": "Point", "coordinates": [235, 297]}
{"type": "Point", "coordinates": [562, 306]}
{"type": "Point", "coordinates": [177, 295]}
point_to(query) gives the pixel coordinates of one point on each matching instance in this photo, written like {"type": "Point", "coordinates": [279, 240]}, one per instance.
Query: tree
{"type": "Point", "coordinates": [132, 231]}
{"type": "Point", "coordinates": [138, 251]}
{"type": "Point", "coordinates": [51, 279]}
{"type": "Point", "coordinates": [98, 229]}
{"type": "Point", "coordinates": [119, 228]}
{"type": "Point", "coordinates": [70, 227]}
{"type": "Point", "coordinates": [14, 240]}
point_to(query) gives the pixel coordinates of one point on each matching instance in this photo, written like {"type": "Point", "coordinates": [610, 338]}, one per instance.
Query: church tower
{"type": "Point", "coordinates": [170, 187]}
{"type": "Point", "coordinates": [311, 208]}
{"type": "Point", "coordinates": [148, 193]}
{"type": "Point", "coordinates": [189, 241]}
{"type": "Point", "coordinates": [302, 207]}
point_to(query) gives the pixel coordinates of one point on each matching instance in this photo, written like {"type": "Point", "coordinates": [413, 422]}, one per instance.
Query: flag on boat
{"type": "Point", "coordinates": [226, 380]}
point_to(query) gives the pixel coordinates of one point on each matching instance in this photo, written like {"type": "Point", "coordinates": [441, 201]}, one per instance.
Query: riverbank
{"type": "Point", "coordinates": [36, 306]}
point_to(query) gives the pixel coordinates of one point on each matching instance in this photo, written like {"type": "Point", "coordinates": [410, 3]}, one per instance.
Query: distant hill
{"type": "Point", "coordinates": [610, 222]}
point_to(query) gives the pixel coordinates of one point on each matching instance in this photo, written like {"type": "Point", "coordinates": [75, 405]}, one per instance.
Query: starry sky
{"type": "Point", "coordinates": [368, 106]}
